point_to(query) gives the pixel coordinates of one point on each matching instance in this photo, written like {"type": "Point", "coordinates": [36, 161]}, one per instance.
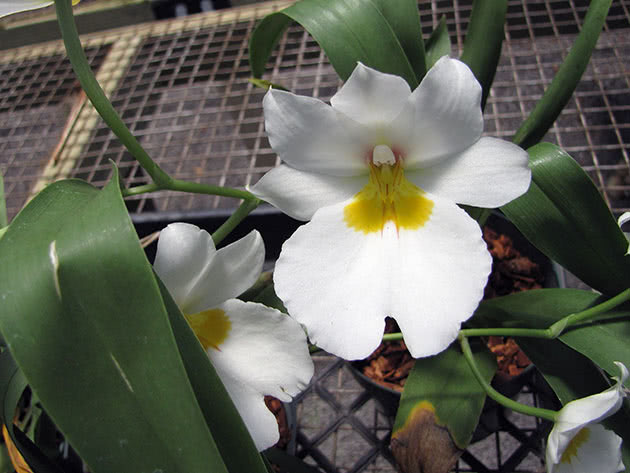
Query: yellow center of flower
{"type": "Point", "coordinates": [388, 196]}
{"type": "Point", "coordinates": [574, 445]}
{"type": "Point", "coordinates": [211, 327]}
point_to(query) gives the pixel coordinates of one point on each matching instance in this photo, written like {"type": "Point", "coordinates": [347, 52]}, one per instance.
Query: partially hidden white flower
{"type": "Point", "coordinates": [578, 443]}
{"type": "Point", "coordinates": [255, 350]}
{"type": "Point", "coordinates": [625, 217]}
{"type": "Point", "coordinates": [378, 174]}
{"type": "Point", "coordinates": [8, 7]}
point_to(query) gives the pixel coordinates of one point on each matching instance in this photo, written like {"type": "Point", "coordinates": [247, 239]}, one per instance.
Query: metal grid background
{"type": "Point", "coordinates": [182, 88]}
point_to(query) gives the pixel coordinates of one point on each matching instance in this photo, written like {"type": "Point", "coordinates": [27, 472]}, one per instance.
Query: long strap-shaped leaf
{"type": "Point", "coordinates": [565, 217]}
{"type": "Point", "coordinates": [566, 80]}
{"type": "Point", "coordinates": [82, 315]}
{"type": "Point", "coordinates": [349, 31]}
{"type": "Point", "coordinates": [484, 39]}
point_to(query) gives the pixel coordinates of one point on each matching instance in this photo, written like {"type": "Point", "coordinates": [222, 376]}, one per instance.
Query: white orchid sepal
{"type": "Point", "coordinates": [578, 443]}
{"type": "Point", "coordinates": [255, 350]}
{"type": "Point", "coordinates": [379, 174]}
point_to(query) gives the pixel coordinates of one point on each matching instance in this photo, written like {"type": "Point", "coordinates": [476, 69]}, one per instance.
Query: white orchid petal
{"type": "Point", "coordinates": [625, 217]}
{"type": "Point", "coordinates": [429, 280]}
{"type": "Point", "coordinates": [371, 97]}
{"type": "Point", "coordinates": [438, 274]}
{"type": "Point", "coordinates": [489, 174]}
{"type": "Point", "coordinates": [265, 349]}
{"type": "Point", "coordinates": [183, 251]}
{"type": "Point", "coordinates": [442, 116]}
{"type": "Point", "coordinates": [601, 452]}
{"type": "Point", "coordinates": [197, 275]}
{"type": "Point", "coordinates": [259, 420]}
{"type": "Point", "coordinates": [331, 280]}
{"type": "Point", "coordinates": [299, 194]}
{"type": "Point", "coordinates": [233, 269]}
{"type": "Point", "coordinates": [309, 135]}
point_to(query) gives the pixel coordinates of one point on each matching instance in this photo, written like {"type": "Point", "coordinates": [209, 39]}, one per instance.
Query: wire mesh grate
{"type": "Point", "coordinates": [184, 92]}
{"type": "Point", "coordinates": [36, 96]}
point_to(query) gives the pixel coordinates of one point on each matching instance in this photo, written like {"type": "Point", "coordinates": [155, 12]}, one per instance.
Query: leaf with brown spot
{"type": "Point", "coordinates": [423, 445]}
{"type": "Point", "coordinates": [439, 410]}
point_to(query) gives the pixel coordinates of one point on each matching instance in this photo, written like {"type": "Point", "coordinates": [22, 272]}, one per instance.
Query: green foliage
{"type": "Point", "coordinates": [439, 44]}
{"type": "Point", "coordinates": [84, 319]}
{"type": "Point", "coordinates": [565, 217]}
{"type": "Point", "coordinates": [484, 39]}
{"type": "Point", "coordinates": [566, 80]}
{"type": "Point", "coordinates": [370, 31]}
{"type": "Point", "coordinates": [447, 383]}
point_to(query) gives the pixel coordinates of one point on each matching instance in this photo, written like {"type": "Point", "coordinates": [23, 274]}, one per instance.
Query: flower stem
{"type": "Point", "coordinates": [497, 396]}
{"type": "Point", "coordinates": [573, 319]}
{"type": "Point", "coordinates": [97, 96]}
{"type": "Point", "coordinates": [237, 217]}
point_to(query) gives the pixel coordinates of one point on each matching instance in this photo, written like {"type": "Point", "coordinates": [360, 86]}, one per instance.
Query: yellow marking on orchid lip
{"type": "Point", "coordinates": [574, 445]}
{"type": "Point", "coordinates": [211, 326]}
{"type": "Point", "coordinates": [388, 196]}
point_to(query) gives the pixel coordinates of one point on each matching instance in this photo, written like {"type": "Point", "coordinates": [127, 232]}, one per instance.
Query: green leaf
{"type": "Point", "coordinates": [347, 30]}
{"type": "Point", "coordinates": [565, 217]}
{"type": "Point", "coordinates": [439, 44]}
{"type": "Point", "coordinates": [566, 80]}
{"type": "Point", "coordinates": [602, 341]}
{"type": "Point", "coordinates": [404, 19]}
{"type": "Point", "coordinates": [484, 39]}
{"type": "Point", "coordinates": [446, 382]}
{"type": "Point", "coordinates": [84, 320]}
{"type": "Point", "coordinates": [232, 437]}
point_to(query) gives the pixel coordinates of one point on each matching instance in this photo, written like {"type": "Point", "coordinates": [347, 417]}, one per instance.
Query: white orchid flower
{"type": "Point", "coordinates": [255, 350]}
{"type": "Point", "coordinates": [577, 443]}
{"type": "Point", "coordinates": [625, 217]}
{"type": "Point", "coordinates": [8, 7]}
{"type": "Point", "coordinates": [378, 175]}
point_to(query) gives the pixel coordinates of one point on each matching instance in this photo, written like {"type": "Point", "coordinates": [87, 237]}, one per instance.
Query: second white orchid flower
{"type": "Point", "coordinates": [255, 350]}
{"type": "Point", "coordinates": [378, 175]}
{"type": "Point", "coordinates": [578, 443]}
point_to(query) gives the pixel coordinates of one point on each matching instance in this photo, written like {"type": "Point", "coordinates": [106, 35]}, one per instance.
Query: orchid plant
{"type": "Point", "coordinates": [164, 367]}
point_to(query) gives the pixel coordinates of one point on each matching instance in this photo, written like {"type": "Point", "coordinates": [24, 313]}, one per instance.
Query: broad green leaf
{"type": "Point", "coordinates": [232, 438]}
{"type": "Point", "coordinates": [12, 386]}
{"type": "Point", "coordinates": [567, 78]}
{"type": "Point", "coordinates": [565, 217]}
{"type": "Point", "coordinates": [572, 376]}
{"type": "Point", "coordinates": [439, 44]}
{"type": "Point", "coordinates": [602, 341]}
{"type": "Point", "coordinates": [347, 30]}
{"type": "Point", "coordinates": [4, 221]}
{"type": "Point", "coordinates": [484, 39]}
{"type": "Point", "coordinates": [441, 392]}
{"type": "Point", "coordinates": [83, 317]}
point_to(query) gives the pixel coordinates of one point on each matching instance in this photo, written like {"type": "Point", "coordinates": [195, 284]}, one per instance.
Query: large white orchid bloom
{"type": "Point", "coordinates": [255, 350]}
{"type": "Point", "coordinates": [378, 175]}
{"type": "Point", "coordinates": [623, 219]}
{"type": "Point", "coordinates": [8, 7]}
{"type": "Point", "coordinates": [577, 443]}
